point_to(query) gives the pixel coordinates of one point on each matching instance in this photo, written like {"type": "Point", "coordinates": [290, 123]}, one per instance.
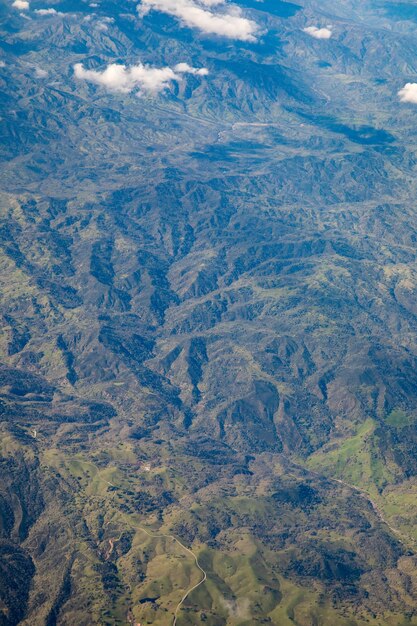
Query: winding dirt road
{"type": "Point", "coordinates": [364, 494]}
{"type": "Point", "coordinates": [203, 580]}
{"type": "Point", "coordinates": [112, 541]}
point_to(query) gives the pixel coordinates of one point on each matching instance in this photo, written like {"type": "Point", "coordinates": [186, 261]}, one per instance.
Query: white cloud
{"type": "Point", "coordinates": [48, 12]}
{"type": "Point", "coordinates": [226, 19]}
{"type": "Point", "coordinates": [2, 64]}
{"type": "Point", "coordinates": [184, 68]}
{"type": "Point", "coordinates": [23, 5]}
{"type": "Point", "coordinates": [318, 33]}
{"type": "Point", "coordinates": [139, 78]}
{"type": "Point", "coordinates": [40, 73]}
{"type": "Point", "coordinates": [104, 22]}
{"type": "Point", "coordinates": [408, 93]}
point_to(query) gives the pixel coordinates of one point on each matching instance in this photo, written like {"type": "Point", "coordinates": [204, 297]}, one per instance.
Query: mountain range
{"type": "Point", "coordinates": [208, 379]}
